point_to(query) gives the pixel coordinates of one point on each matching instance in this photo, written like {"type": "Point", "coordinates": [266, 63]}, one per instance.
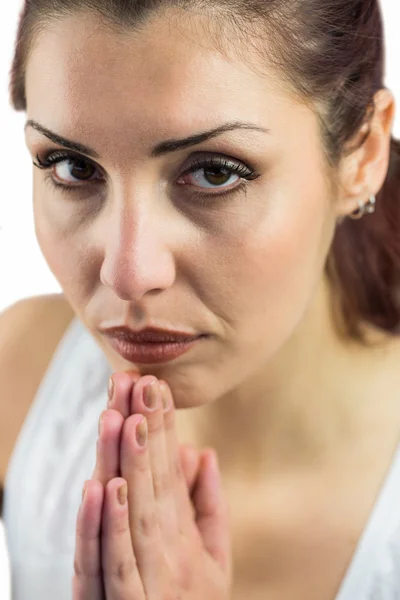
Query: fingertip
{"type": "Point", "coordinates": [168, 398]}
{"type": "Point", "coordinates": [114, 416]}
{"type": "Point", "coordinates": [112, 496]}
{"type": "Point", "coordinates": [211, 462]}
{"type": "Point", "coordinates": [113, 485]}
{"type": "Point", "coordinates": [92, 488]}
{"type": "Point", "coordinates": [189, 453]}
{"type": "Point", "coordinates": [115, 515]}
{"type": "Point", "coordinates": [190, 464]}
{"type": "Point", "coordinates": [89, 514]}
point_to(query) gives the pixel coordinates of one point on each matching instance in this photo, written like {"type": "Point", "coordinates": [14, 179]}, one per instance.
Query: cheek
{"type": "Point", "coordinates": [267, 276]}
{"type": "Point", "coordinates": [288, 249]}
{"type": "Point", "coordinates": [61, 247]}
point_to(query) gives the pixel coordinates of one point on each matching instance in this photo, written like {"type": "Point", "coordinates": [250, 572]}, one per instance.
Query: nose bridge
{"type": "Point", "coordinates": [137, 255]}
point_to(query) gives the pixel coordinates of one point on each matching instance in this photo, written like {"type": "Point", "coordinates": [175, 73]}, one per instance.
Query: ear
{"type": "Point", "coordinates": [363, 172]}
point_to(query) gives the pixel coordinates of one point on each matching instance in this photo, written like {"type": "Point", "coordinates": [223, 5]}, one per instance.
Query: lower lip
{"type": "Point", "coordinates": [151, 352]}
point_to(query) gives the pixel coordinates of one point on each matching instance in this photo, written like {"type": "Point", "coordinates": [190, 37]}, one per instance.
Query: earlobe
{"type": "Point", "coordinates": [364, 171]}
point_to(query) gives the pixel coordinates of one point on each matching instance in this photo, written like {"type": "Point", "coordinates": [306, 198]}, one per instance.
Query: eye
{"type": "Point", "coordinates": [68, 168]}
{"type": "Point", "coordinates": [73, 173]}
{"type": "Point", "coordinates": [216, 173]}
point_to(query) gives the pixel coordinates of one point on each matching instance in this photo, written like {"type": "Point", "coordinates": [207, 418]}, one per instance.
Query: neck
{"type": "Point", "coordinates": [311, 398]}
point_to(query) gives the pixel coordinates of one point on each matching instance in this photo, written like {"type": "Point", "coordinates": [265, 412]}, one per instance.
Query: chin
{"type": "Point", "coordinates": [191, 389]}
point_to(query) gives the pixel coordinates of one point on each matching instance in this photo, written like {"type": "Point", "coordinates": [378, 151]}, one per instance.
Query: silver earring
{"type": "Point", "coordinates": [364, 208]}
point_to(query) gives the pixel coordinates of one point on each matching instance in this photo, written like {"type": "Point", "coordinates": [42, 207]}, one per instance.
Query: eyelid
{"type": "Point", "coordinates": [194, 161]}
{"type": "Point", "coordinates": [54, 157]}
{"type": "Point", "coordinates": [197, 161]}
{"type": "Point", "coordinates": [67, 155]}
{"type": "Point", "coordinates": [201, 156]}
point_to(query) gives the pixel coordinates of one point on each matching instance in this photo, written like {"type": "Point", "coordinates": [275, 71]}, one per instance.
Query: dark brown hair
{"type": "Point", "coordinates": [330, 53]}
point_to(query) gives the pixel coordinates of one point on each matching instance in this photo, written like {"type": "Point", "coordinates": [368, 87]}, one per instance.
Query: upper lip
{"type": "Point", "coordinates": [149, 334]}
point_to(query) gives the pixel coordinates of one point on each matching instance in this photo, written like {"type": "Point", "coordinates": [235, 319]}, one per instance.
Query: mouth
{"type": "Point", "coordinates": [151, 345]}
{"type": "Point", "coordinates": [153, 352]}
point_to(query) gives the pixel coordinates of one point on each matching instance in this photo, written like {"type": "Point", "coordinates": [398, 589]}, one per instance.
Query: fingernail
{"type": "Point", "coordinates": [141, 433]}
{"type": "Point", "coordinates": [122, 494]}
{"type": "Point", "coordinates": [165, 397]}
{"type": "Point", "coordinates": [110, 391]}
{"type": "Point", "coordinates": [151, 394]}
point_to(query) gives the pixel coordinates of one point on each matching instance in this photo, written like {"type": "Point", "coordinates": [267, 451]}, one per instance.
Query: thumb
{"type": "Point", "coordinates": [212, 512]}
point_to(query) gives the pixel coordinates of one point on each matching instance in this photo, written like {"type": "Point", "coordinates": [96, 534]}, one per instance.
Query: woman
{"type": "Point", "coordinates": [224, 172]}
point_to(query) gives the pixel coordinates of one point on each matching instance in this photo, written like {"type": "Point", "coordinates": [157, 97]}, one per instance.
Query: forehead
{"type": "Point", "coordinates": [86, 76]}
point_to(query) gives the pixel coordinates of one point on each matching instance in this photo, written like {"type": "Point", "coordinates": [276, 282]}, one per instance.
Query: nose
{"type": "Point", "coordinates": [137, 257]}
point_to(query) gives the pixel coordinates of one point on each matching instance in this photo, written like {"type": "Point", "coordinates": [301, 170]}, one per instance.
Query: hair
{"type": "Point", "coordinates": [330, 53]}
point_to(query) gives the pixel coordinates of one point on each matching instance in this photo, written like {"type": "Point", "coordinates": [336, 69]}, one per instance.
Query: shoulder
{"type": "Point", "coordinates": [32, 325]}
{"type": "Point", "coordinates": [19, 314]}
{"type": "Point", "coordinates": [30, 331]}
{"type": "Point", "coordinates": [32, 301]}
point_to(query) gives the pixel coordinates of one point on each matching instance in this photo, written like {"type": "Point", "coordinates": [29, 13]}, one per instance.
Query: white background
{"type": "Point", "coordinates": [23, 271]}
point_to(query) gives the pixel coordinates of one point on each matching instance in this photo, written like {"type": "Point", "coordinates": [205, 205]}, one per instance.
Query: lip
{"type": "Point", "coordinates": [149, 335]}
{"type": "Point", "coordinates": [151, 345]}
{"type": "Point", "coordinates": [152, 352]}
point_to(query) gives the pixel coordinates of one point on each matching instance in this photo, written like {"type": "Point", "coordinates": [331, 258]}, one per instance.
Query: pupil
{"type": "Point", "coordinates": [81, 169]}
{"type": "Point", "coordinates": [214, 176]}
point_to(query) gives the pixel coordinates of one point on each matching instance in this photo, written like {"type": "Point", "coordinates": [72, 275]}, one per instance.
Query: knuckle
{"type": "Point", "coordinates": [155, 424]}
{"type": "Point", "coordinates": [161, 484]}
{"type": "Point", "coordinates": [87, 572]}
{"type": "Point", "coordinates": [169, 420]}
{"type": "Point", "coordinates": [82, 536]}
{"type": "Point", "coordinates": [121, 570]}
{"type": "Point", "coordinates": [185, 575]}
{"type": "Point", "coordinates": [177, 468]}
{"type": "Point", "coordinates": [147, 524]}
{"type": "Point", "coordinates": [141, 465]}
{"type": "Point", "coordinates": [119, 529]}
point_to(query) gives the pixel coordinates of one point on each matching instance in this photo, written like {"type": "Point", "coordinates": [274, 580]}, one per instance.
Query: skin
{"type": "Point", "coordinates": [248, 270]}
{"type": "Point", "coordinates": [159, 540]}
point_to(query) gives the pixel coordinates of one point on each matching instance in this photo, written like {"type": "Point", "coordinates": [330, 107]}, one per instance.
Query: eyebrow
{"type": "Point", "coordinates": [161, 148]}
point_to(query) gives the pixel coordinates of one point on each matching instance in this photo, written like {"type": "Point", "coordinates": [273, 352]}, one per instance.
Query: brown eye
{"type": "Point", "coordinates": [80, 169]}
{"type": "Point", "coordinates": [217, 175]}
{"type": "Point", "coordinates": [210, 177]}
{"type": "Point", "coordinates": [68, 169]}
{"type": "Point", "coordinates": [73, 170]}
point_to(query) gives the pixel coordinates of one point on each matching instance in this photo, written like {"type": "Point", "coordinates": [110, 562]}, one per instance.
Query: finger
{"type": "Point", "coordinates": [108, 446]}
{"type": "Point", "coordinates": [110, 426]}
{"type": "Point", "coordinates": [87, 583]}
{"type": "Point", "coordinates": [120, 390]}
{"type": "Point", "coordinates": [212, 512]}
{"type": "Point", "coordinates": [147, 401]}
{"type": "Point", "coordinates": [182, 493]}
{"type": "Point", "coordinates": [120, 571]}
{"type": "Point", "coordinates": [142, 508]}
{"type": "Point", "coordinates": [190, 463]}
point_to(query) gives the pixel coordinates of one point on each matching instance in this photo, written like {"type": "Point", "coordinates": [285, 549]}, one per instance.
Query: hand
{"type": "Point", "coordinates": [170, 539]}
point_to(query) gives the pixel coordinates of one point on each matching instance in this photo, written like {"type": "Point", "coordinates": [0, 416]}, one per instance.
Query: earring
{"type": "Point", "coordinates": [364, 208]}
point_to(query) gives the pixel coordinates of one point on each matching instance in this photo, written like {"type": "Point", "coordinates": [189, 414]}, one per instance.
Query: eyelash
{"type": "Point", "coordinates": [232, 167]}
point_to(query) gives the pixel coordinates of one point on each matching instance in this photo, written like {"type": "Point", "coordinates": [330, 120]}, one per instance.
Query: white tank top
{"type": "Point", "coordinates": [55, 453]}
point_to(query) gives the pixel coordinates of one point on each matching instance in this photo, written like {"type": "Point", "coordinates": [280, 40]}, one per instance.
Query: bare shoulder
{"type": "Point", "coordinates": [20, 314]}
{"type": "Point", "coordinates": [30, 331]}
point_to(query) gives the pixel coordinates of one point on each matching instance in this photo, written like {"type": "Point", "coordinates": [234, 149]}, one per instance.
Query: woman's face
{"type": "Point", "coordinates": [139, 239]}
